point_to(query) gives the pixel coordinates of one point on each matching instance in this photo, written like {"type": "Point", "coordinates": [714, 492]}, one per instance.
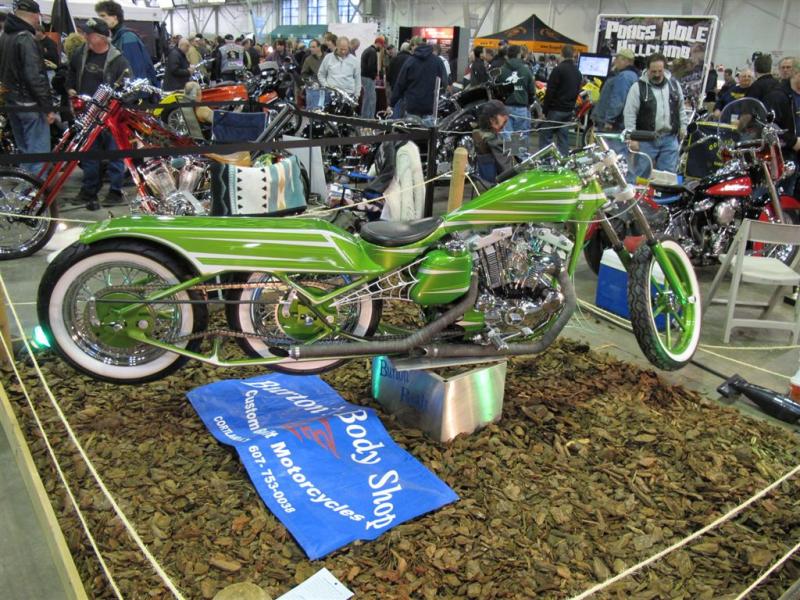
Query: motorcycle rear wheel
{"type": "Point", "coordinates": [279, 319]}
{"type": "Point", "coordinates": [21, 236]}
{"type": "Point", "coordinates": [669, 345]}
{"type": "Point", "coordinates": [78, 323]}
{"type": "Point", "coordinates": [784, 253]}
{"type": "Point", "coordinates": [593, 250]}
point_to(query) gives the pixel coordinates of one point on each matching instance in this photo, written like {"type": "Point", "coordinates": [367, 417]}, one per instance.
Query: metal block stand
{"type": "Point", "coordinates": [442, 407]}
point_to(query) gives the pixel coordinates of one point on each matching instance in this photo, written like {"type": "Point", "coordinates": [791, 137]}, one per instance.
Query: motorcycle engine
{"type": "Point", "coordinates": [173, 186]}
{"type": "Point", "coordinates": [518, 267]}
{"type": "Point", "coordinates": [725, 212]}
{"type": "Point", "coordinates": [713, 226]}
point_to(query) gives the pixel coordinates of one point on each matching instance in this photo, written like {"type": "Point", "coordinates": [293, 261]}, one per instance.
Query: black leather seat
{"type": "Point", "coordinates": [398, 233]}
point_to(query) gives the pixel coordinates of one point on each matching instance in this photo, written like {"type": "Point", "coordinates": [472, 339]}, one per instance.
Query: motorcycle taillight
{"type": "Point", "coordinates": [363, 149]}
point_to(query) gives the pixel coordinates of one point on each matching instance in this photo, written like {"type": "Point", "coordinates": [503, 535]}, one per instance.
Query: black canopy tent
{"type": "Point", "coordinates": [534, 34]}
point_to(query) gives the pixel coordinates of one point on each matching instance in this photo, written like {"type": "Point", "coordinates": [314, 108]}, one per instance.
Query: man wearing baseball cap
{"type": "Point", "coordinates": [97, 63]}
{"type": "Point", "coordinates": [608, 112]}
{"type": "Point", "coordinates": [23, 81]}
{"type": "Point", "coordinates": [370, 67]}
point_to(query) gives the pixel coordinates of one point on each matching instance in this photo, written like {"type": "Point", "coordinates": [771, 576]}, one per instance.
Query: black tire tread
{"type": "Point", "coordinates": [593, 251]}
{"type": "Point", "coordinates": [644, 329]}
{"type": "Point", "coordinates": [78, 251]}
{"type": "Point", "coordinates": [49, 211]}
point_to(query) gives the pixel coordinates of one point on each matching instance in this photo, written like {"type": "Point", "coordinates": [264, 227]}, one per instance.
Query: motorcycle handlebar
{"type": "Point", "coordinates": [507, 174]}
{"type": "Point", "coordinates": [642, 136]}
{"type": "Point", "coordinates": [629, 135]}
{"type": "Point", "coordinates": [700, 142]}
{"type": "Point", "coordinates": [747, 144]}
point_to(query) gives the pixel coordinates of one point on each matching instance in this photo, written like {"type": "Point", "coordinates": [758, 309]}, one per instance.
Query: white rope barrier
{"type": "Point", "coordinates": [43, 218]}
{"type": "Point", "coordinates": [61, 475]}
{"type": "Point", "coordinates": [624, 323]}
{"type": "Point", "coordinates": [472, 183]}
{"type": "Point", "coordinates": [688, 539]}
{"type": "Point", "coordinates": [95, 475]}
{"type": "Point", "coordinates": [702, 348]}
{"type": "Point", "coordinates": [370, 200]}
{"type": "Point", "coordinates": [768, 572]}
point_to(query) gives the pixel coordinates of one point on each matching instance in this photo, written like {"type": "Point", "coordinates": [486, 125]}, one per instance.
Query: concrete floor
{"type": "Point", "coordinates": [23, 543]}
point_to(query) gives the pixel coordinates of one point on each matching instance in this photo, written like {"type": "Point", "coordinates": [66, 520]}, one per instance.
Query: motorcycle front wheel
{"type": "Point", "coordinates": [667, 332]}
{"type": "Point", "coordinates": [174, 120]}
{"type": "Point", "coordinates": [273, 315]}
{"type": "Point", "coordinates": [82, 288]}
{"type": "Point", "coordinates": [25, 234]}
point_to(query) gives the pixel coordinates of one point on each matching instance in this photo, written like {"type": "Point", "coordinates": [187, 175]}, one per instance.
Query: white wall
{"type": "Point", "coordinates": [745, 25]}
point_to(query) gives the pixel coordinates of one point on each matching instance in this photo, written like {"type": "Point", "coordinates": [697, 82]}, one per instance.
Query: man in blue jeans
{"type": "Point", "coordinates": [24, 81]}
{"type": "Point", "coordinates": [97, 63]}
{"type": "Point", "coordinates": [370, 70]}
{"type": "Point", "coordinates": [563, 86]}
{"type": "Point", "coordinates": [655, 103]}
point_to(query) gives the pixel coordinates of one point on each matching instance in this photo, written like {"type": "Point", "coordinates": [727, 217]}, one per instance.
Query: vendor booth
{"type": "Point", "coordinates": [533, 33]}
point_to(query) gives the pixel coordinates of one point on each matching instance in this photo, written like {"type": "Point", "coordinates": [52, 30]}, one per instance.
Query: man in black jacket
{"type": "Point", "coordinates": [559, 100]}
{"type": "Point", "coordinates": [416, 82]}
{"type": "Point", "coordinates": [369, 73]}
{"type": "Point", "coordinates": [478, 74]}
{"type": "Point", "coordinates": [98, 63]}
{"type": "Point", "coordinates": [784, 100]}
{"type": "Point", "coordinates": [23, 81]}
{"type": "Point", "coordinates": [765, 82]}
{"type": "Point", "coordinates": [178, 71]}
{"type": "Point", "coordinates": [393, 73]}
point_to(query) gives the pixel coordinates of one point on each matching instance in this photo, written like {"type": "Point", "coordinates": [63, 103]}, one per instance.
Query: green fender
{"type": "Point", "coordinates": [217, 244]}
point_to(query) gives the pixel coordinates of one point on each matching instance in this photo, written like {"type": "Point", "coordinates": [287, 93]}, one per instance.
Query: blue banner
{"type": "Point", "coordinates": [326, 468]}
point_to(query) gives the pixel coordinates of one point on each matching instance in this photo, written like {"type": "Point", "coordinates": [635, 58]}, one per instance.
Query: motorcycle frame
{"type": "Point", "coordinates": [124, 124]}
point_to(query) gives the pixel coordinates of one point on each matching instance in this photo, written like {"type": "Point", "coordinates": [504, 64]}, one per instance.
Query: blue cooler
{"type": "Point", "coordinates": [612, 287]}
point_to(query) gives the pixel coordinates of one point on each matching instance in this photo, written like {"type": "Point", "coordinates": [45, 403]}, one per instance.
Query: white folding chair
{"type": "Point", "coordinates": [760, 270]}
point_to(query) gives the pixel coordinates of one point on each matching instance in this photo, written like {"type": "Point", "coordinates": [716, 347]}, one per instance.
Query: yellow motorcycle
{"type": "Point", "coordinates": [168, 110]}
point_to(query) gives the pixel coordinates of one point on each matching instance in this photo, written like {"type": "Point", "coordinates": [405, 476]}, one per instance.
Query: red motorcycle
{"type": "Point", "coordinates": [162, 186]}
{"type": "Point", "coordinates": [704, 215]}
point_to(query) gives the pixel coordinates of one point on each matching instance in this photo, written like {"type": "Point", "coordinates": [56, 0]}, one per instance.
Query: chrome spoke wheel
{"type": "Point", "coordinates": [89, 313]}
{"type": "Point", "coordinates": [21, 234]}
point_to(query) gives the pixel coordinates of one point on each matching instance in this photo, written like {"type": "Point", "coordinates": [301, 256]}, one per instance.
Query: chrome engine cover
{"type": "Point", "coordinates": [518, 269]}
{"type": "Point", "coordinates": [725, 212]}
{"type": "Point", "coordinates": [172, 189]}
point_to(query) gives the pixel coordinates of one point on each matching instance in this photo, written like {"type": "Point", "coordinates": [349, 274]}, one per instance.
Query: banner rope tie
{"type": "Point", "coordinates": [95, 475]}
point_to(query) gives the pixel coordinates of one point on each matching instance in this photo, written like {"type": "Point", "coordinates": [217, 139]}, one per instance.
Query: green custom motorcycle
{"type": "Point", "coordinates": [129, 302]}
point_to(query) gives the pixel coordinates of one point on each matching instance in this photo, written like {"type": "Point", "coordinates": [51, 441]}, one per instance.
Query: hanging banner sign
{"type": "Point", "coordinates": [326, 468]}
{"type": "Point", "coordinates": [686, 42]}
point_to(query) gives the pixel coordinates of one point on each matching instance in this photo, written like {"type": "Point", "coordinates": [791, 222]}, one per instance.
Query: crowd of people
{"type": "Point", "coordinates": [35, 75]}
{"type": "Point", "coordinates": [636, 95]}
